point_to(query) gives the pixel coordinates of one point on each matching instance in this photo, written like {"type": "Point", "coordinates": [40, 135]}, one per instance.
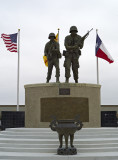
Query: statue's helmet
{"type": "Point", "coordinates": [51, 35]}
{"type": "Point", "coordinates": [73, 28]}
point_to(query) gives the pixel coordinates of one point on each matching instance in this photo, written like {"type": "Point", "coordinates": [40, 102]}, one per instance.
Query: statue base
{"type": "Point", "coordinates": [67, 151]}
{"type": "Point", "coordinates": [64, 100]}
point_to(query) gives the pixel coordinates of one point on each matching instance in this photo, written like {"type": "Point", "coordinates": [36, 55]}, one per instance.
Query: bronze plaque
{"type": "Point", "coordinates": [64, 91]}
{"type": "Point", "coordinates": [64, 108]}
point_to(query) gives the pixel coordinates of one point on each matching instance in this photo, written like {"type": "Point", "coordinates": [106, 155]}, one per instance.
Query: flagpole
{"type": "Point", "coordinates": [58, 35]}
{"type": "Point", "coordinates": [18, 71]}
{"type": "Point", "coordinates": [97, 71]}
{"type": "Point", "coordinates": [97, 62]}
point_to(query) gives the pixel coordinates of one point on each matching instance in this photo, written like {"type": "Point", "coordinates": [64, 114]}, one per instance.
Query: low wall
{"type": "Point", "coordinates": [11, 108]}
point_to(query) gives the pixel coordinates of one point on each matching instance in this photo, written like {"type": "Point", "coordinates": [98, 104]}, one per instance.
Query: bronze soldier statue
{"type": "Point", "coordinates": [73, 44]}
{"type": "Point", "coordinates": [53, 54]}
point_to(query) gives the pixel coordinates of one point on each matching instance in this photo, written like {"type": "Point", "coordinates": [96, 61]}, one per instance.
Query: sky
{"type": "Point", "coordinates": [36, 19]}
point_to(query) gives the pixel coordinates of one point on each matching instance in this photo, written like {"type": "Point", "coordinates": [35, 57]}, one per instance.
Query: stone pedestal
{"type": "Point", "coordinates": [64, 100]}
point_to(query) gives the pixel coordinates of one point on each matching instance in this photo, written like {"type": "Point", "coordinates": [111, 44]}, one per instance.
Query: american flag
{"type": "Point", "coordinates": [10, 41]}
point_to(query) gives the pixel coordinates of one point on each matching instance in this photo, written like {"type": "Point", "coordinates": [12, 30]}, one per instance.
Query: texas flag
{"type": "Point", "coordinates": [101, 51]}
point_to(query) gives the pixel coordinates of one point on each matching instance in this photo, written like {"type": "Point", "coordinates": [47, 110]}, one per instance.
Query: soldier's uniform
{"type": "Point", "coordinates": [73, 44]}
{"type": "Point", "coordinates": [53, 54]}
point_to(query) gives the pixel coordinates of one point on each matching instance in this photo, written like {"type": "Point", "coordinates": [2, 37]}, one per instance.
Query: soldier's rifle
{"type": "Point", "coordinates": [82, 39]}
{"type": "Point", "coordinates": [86, 35]}
{"type": "Point", "coordinates": [80, 42]}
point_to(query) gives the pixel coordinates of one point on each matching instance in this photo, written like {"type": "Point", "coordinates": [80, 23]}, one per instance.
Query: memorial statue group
{"type": "Point", "coordinates": [73, 44]}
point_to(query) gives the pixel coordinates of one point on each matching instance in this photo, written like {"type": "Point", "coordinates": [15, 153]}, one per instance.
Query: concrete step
{"type": "Point", "coordinates": [84, 130]}
{"type": "Point", "coordinates": [50, 156]}
{"type": "Point", "coordinates": [51, 133]}
{"type": "Point", "coordinates": [56, 141]}
{"type": "Point", "coordinates": [50, 136]}
{"type": "Point", "coordinates": [102, 145]}
{"type": "Point", "coordinates": [48, 130]}
{"type": "Point", "coordinates": [54, 150]}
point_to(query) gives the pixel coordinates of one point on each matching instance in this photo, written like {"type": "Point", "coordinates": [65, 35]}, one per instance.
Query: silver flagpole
{"type": "Point", "coordinates": [97, 62]}
{"type": "Point", "coordinates": [97, 71]}
{"type": "Point", "coordinates": [18, 71]}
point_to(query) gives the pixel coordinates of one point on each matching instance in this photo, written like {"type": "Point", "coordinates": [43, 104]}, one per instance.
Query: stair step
{"type": "Point", "coordinates": [54, 150]}
{"type": "Point", "coordinates": [57, 145]}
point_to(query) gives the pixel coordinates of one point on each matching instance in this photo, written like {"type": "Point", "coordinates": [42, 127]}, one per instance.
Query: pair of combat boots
{"type": "Point", "coordinates": [67, 80]}
{"type": "Point", "coordinates": [57, 80]}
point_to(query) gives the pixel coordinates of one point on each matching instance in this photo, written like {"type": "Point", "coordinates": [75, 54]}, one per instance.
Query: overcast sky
{"type": "Point", "coordinates": [36, 19]}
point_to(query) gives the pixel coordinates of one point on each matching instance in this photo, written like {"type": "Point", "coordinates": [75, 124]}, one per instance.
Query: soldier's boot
{"type": "Point", "coordinates": [47, 80]}
{"type": "Point", "coordinates": [67, 80]}
{"type": "Point", "coordinates": [57, 79]}
{"type": "Point", "coordinates": [76, 80]}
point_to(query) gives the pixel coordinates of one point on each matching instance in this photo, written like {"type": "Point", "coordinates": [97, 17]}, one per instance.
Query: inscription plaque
{"type": "Point", "coordinates": [64, 91]}
{"type": "Point", "coordinates": [64, 108]}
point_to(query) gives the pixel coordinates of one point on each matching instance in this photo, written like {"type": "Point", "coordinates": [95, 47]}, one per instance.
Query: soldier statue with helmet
{"type": "Point", "coordinates": [53, 54]}
{"type": "Point", "coordinates": [73, 43]}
